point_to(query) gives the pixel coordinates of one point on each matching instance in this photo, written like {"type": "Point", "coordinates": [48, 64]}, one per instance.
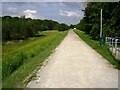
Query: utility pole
{"type": "Point", "coordinates": [101, 38]}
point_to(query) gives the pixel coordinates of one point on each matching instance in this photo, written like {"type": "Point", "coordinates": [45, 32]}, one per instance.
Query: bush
{"type": "Point", "coordinates": [14, 28]}
{"type": "Point", "coordinates": [95, 31]}
{"type": "Point", "coordinates": [12, 63]}
{"type": "Point", "coordinates": [63, 27]}
{"type": "Point", "coordinates": [111, 18]}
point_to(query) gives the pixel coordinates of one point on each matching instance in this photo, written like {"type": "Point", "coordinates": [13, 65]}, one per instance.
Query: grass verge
{"type": "Point", "coordinates": [35, 51]}
{"type": "Point", "coordinates": [103, 50]}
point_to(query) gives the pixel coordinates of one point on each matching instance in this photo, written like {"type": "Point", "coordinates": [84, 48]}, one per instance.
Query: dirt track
{"type": "Point", "coordinates": [74, 64]}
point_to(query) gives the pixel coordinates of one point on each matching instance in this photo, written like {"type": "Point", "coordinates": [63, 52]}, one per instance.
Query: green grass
{"type": "Point", "coordinates": [103, 50]}
{"type": "Point", "coordinates": [21, 59]}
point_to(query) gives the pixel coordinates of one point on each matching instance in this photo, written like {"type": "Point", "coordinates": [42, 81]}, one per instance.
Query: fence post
{"type": "Point", "coordinates": [106, 42]}
{"type": "Point", "coordinates": [112, 46]}
{"type": "Point", "coordinates": [110, 41]}
{"type": "Point", "coordinates": [116, 46]}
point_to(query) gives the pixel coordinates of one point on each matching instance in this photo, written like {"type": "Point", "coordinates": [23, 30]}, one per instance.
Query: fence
{"type": "Point", "coordinates": [114, 46]}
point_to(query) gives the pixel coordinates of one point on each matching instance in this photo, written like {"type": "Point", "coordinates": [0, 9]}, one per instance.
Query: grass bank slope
{"type": "Point", "coordinates": [103, 50]}
{"type": "Point", "coordinates": [21, 58]}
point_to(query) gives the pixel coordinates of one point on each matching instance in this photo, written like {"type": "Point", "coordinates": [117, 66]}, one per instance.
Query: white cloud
{"type": "Point", "coordinates": [70, 13]}
{"type": "Point", "coordinates": [12, 10]}
{"type": "Point", "coordinates": [31, 14]}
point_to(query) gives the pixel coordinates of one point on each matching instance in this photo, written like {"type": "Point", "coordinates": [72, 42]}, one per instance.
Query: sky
{"type": "Point", "coordinates": [62, 12]}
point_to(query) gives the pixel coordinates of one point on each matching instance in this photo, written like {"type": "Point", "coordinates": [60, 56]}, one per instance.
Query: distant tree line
{"type": "Point", "coordinates": [15, 28]}
{"type": "Point", "coordinates": [111, 19]}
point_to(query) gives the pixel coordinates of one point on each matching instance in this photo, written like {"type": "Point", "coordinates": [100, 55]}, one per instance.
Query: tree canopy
{"type": "Point", "coordinates": [20, 28]}
{"type": "Point", "coordinates": [111, 19]}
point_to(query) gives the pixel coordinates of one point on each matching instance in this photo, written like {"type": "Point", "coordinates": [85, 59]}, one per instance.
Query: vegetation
{"type": "Point", "coordinates": [111, 19]}
{"type": "Point", "coordinates": [63, 27]}
{"type": "Point", "coordinates": [100, 49]}
{"type": "Point", "coordinates": [90, 24]}
{"type": "Point", "coordinates": [26, 44]}
{"type": "Point", "coordinates": [14, 28]}
{"type": "Point", "coordinates": [21, 58]}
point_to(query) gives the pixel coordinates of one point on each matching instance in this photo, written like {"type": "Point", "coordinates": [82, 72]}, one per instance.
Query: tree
{"type": "Point", "coordinates": [15, 28]}
{"type": "Point", "coordinates": [72, 26]}
{"type": "Point", "coordinates": [63, 27]}
{"type": "Point", "coordinates": [111, 19]}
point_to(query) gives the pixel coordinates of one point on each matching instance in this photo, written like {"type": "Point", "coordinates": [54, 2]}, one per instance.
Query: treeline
{"type": "Point", "coordinates": [15, 28]}
{"type": "Point", "coordinates": [111, 19]}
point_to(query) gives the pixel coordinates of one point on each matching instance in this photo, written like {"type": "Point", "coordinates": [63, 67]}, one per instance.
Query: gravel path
{"type": "Point", "coordinates": [74, 64]}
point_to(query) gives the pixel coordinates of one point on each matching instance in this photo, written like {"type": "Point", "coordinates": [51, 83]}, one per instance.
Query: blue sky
{"type": "Point", "coordinates": [63, 12]}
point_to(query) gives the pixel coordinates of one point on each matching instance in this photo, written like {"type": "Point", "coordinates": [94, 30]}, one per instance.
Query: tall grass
{"type": "Point", "coordinates": [21, 60]}
{"type": "Point", "coordinates": [103, 50]}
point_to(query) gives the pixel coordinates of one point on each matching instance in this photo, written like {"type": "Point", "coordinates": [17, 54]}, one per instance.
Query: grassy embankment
{"type": "Point", "coordinates": [21, 58]}
{"type": "Point", "coordinates": [103, 50]}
